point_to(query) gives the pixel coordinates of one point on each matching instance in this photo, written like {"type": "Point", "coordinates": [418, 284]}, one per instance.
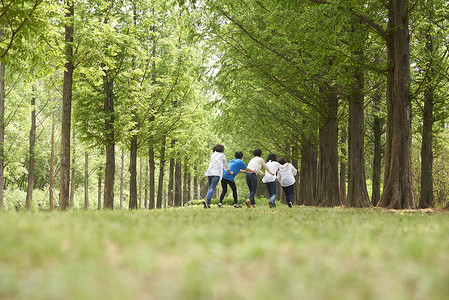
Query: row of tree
{"type": "Point", "coordinates": [302, 75]}
{"type": "Point", "coordinates": [109, 74]}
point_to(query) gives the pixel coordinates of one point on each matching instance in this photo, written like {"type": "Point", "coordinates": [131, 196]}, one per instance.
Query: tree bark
{"type": "Point", "coordinates": [152, 177]}
{"type": "Point", "coordinates": [2, 126]}
{"type": "Point", "coordinates": [140, 182]}
{"type": "Point", "coordinates": [357, 191]}
{"type": "Point", "coordinates": [72, 176]}
{"type": "Point", "coordinates": [145, 205]}
{"type": "Point", "coordinates": [185, 185]}
{"type": "Point", "coordinates": [110, 143]}
{"type": "Point", "coordinates": [99, 190]}
{"type": "Point", "coordinates": [426, 198]}
{"type": "Point", "coordinates": [133, 174]}
{"type": "Point", "coordinates": [398, 182]}
{"type": "Point", "coordinates": [29, 197]}
{"type": "Point", "coordinates": [196, 196]}
{"type": "Point", "coordinates": [51, 187]}
{"type": "Point", "coordinates": [122, 171]}
{"type": "Point", "coordinates": [171, 177]}
{"type": "Point", "coordinates": [66, 110]}
{"type": "Point", "coordinates": [178, 182]}
{"type": "Point", "coordinates": [328, 194]}
{"type": "Point", "coordinates": [308, 171]}
{"type": "Point", "coordinates": [161, 175]}
{"type": "Point", "coordinates": [86, 181]}
{"type": "Point", "coordinates": [343, 159]}
{"type": "Point", "coordinates": [377, 159]}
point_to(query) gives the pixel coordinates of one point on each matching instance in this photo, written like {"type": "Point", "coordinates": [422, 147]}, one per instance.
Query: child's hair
{"type": "Point", "coordinates": [257, 152]}
{"type": "Point", "coordinates": [239, 154]}
{"type": "Point", "coordinates": [271, 157]}
{"type": "Point", "coordinates": [218, 148]}
{"type": "Point", "coordinates": [282, 160]}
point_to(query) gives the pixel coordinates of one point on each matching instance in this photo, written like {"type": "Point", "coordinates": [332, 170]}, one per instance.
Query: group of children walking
{"type": "Point", "coordinates": [274, 168]}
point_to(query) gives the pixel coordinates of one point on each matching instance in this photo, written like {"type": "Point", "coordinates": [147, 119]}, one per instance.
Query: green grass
{"type": "Point", "coordinates": [193, 253]}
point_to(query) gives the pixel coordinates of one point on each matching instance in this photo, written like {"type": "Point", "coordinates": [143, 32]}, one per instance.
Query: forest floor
{"type": "Point", "coordinates": [228, 253]}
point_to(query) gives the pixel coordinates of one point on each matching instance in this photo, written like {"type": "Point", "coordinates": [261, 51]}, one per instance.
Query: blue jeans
{"type": "Point", "coordinates": [212, 181]}
{"type": "Point", "coordinates": [251, 182]}
{"type": "Point", "coordinates": [289, 193]}
{"type": "Point", "coordinates": [272, 191]}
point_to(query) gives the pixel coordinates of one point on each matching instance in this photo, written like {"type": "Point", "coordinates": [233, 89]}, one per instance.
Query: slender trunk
{"type": "Point", "coordinates": [99, 190]}
{"type": "Point", "coordinates": [110, 143]}
{"type": "Point", "coordinates": [122, 171]}
{"type": "Point", "coordinates": [426, 196]}
{"type": "Point", "coordinates": [171, 177]}
{"type": "Point", "coordinates": [66, 110]}
{"type": "Point", "coordinates": [343, 159]}
{"type": "Point", "coordinates": [185, 185]}
{"type": "Point", "coordinates": [133, 174]}
{"type": "Point", "coordinates": [146, 188]}
{"type": "Point", "coordinates": [52, 164]}
{"type": "Point", "coordinates": [72, 177]}
{"type": "Point", "coordinates": [189, 187]}
{"type": "Point", "coordinates": [377, 159]}
{"type": "Point", "coordinates": [196, 196]}
{"type": "Point", "coordinates": [161, 175]}
{"type": "Point", "coordinates": [328, 194]}
{"type": "Point", "coordinates": [140, 183]}
{"type": "Point", "coordinates": [151, 175]}
{"type": "Point", "coordinates": [29, 197]}
{"type": "Point", "coordinates": [178, 183]}
{"type": "Point", "coordinates": [398, 183]}
{"type": "Point", "coordinates": [2, 127]}
{"type": "Point", "coordinates": [86, 181]}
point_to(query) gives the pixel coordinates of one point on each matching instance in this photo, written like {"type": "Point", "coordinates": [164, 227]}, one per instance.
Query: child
{"type": "Point", "coordinates": [286, 177]}
{"type": "Point", "coordinates": [256, 165]}
{"type": "Point", "coordinates": [270, 180]}
{"type": "Point", "coordinates": [215, 171]}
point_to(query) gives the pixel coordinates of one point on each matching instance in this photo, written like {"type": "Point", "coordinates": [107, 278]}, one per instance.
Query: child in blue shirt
{"type": "Point", "coordinates": [236, 165]}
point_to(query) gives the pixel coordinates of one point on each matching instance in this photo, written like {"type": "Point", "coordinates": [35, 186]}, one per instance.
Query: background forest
{"type": "Point", "coordinates": [117, 104]}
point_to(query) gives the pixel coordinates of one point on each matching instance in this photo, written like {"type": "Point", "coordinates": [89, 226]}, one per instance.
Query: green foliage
{"type": "Point", "coordinates": [193, 253]}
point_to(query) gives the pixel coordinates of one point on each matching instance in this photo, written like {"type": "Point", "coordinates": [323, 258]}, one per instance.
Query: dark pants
{"type": "Point", "coordinates": [272, 191]}
{"type": "Point", "coordinates": [289, 193]}
{"type": "Point", "coordinates": [251, 182]}
{"type": "Point", "coordinates": [224, 186]}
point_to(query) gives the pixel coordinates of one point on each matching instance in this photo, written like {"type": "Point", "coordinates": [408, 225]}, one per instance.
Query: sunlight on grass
{"type": "Point", "coordinates": [193, 253]}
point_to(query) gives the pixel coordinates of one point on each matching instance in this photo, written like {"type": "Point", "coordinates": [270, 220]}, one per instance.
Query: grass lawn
{"type": "Point", "coordinates": [193, 253]}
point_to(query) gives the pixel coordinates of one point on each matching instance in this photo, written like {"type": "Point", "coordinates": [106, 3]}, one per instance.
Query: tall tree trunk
{"type": "Point", "coordinates": [51, 188]}
{"type": "Point", "coordinates": [295, 163]}
{"type": "Point", "coordinates": [377, 157]}
{"type": "Point", "coordinates": [66, 110]}
{"type": "Point", "coordinates": [86, 181]}
{"type": "Point", "coordinates": [140, 183]}
{"type": "Point", "coordinates": [152, 177]}
{"type": "Point", "coordinates": [398, 182]}
{"type": "Point", "coordinates": [122, 171]}
{"type": "Point", "coordinates": [308, 170]}
{"type": "Point", "coordinates": [196, 196]}
{"type": "Point", "coordinates": [133, 174]}
{"type": "Point", "coordinates": [171, 178]}
{"type": "Point", "coordinates": [29, 197]}
{"type": "Point", "coordinates": [328, 194]}
{"type": "Point", "coordinates": [2, 126]}
{"type": "Point", "coordinates": [161, 175]}
{"type": "Point", "coordinates": [357, 191]}
{"type": "Point", "coordinates": [99, 190]}
{"type": "Point", "coordinates": [185, 185]}
{"type": "Point", "coordinates": [110, 143]}
{"type": "Point", "coordinates": [178, 182]}
{"type": "Point", "coordinates": [189, 188]}
{"type": "Point", "coordinates": [72, 177]}
{"type": "Point", "coordinates": [343, 159]}
{"type": "Point", "coordinates": [146, 188]}
{"type": "Point", "coordinates": [426, 196]}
